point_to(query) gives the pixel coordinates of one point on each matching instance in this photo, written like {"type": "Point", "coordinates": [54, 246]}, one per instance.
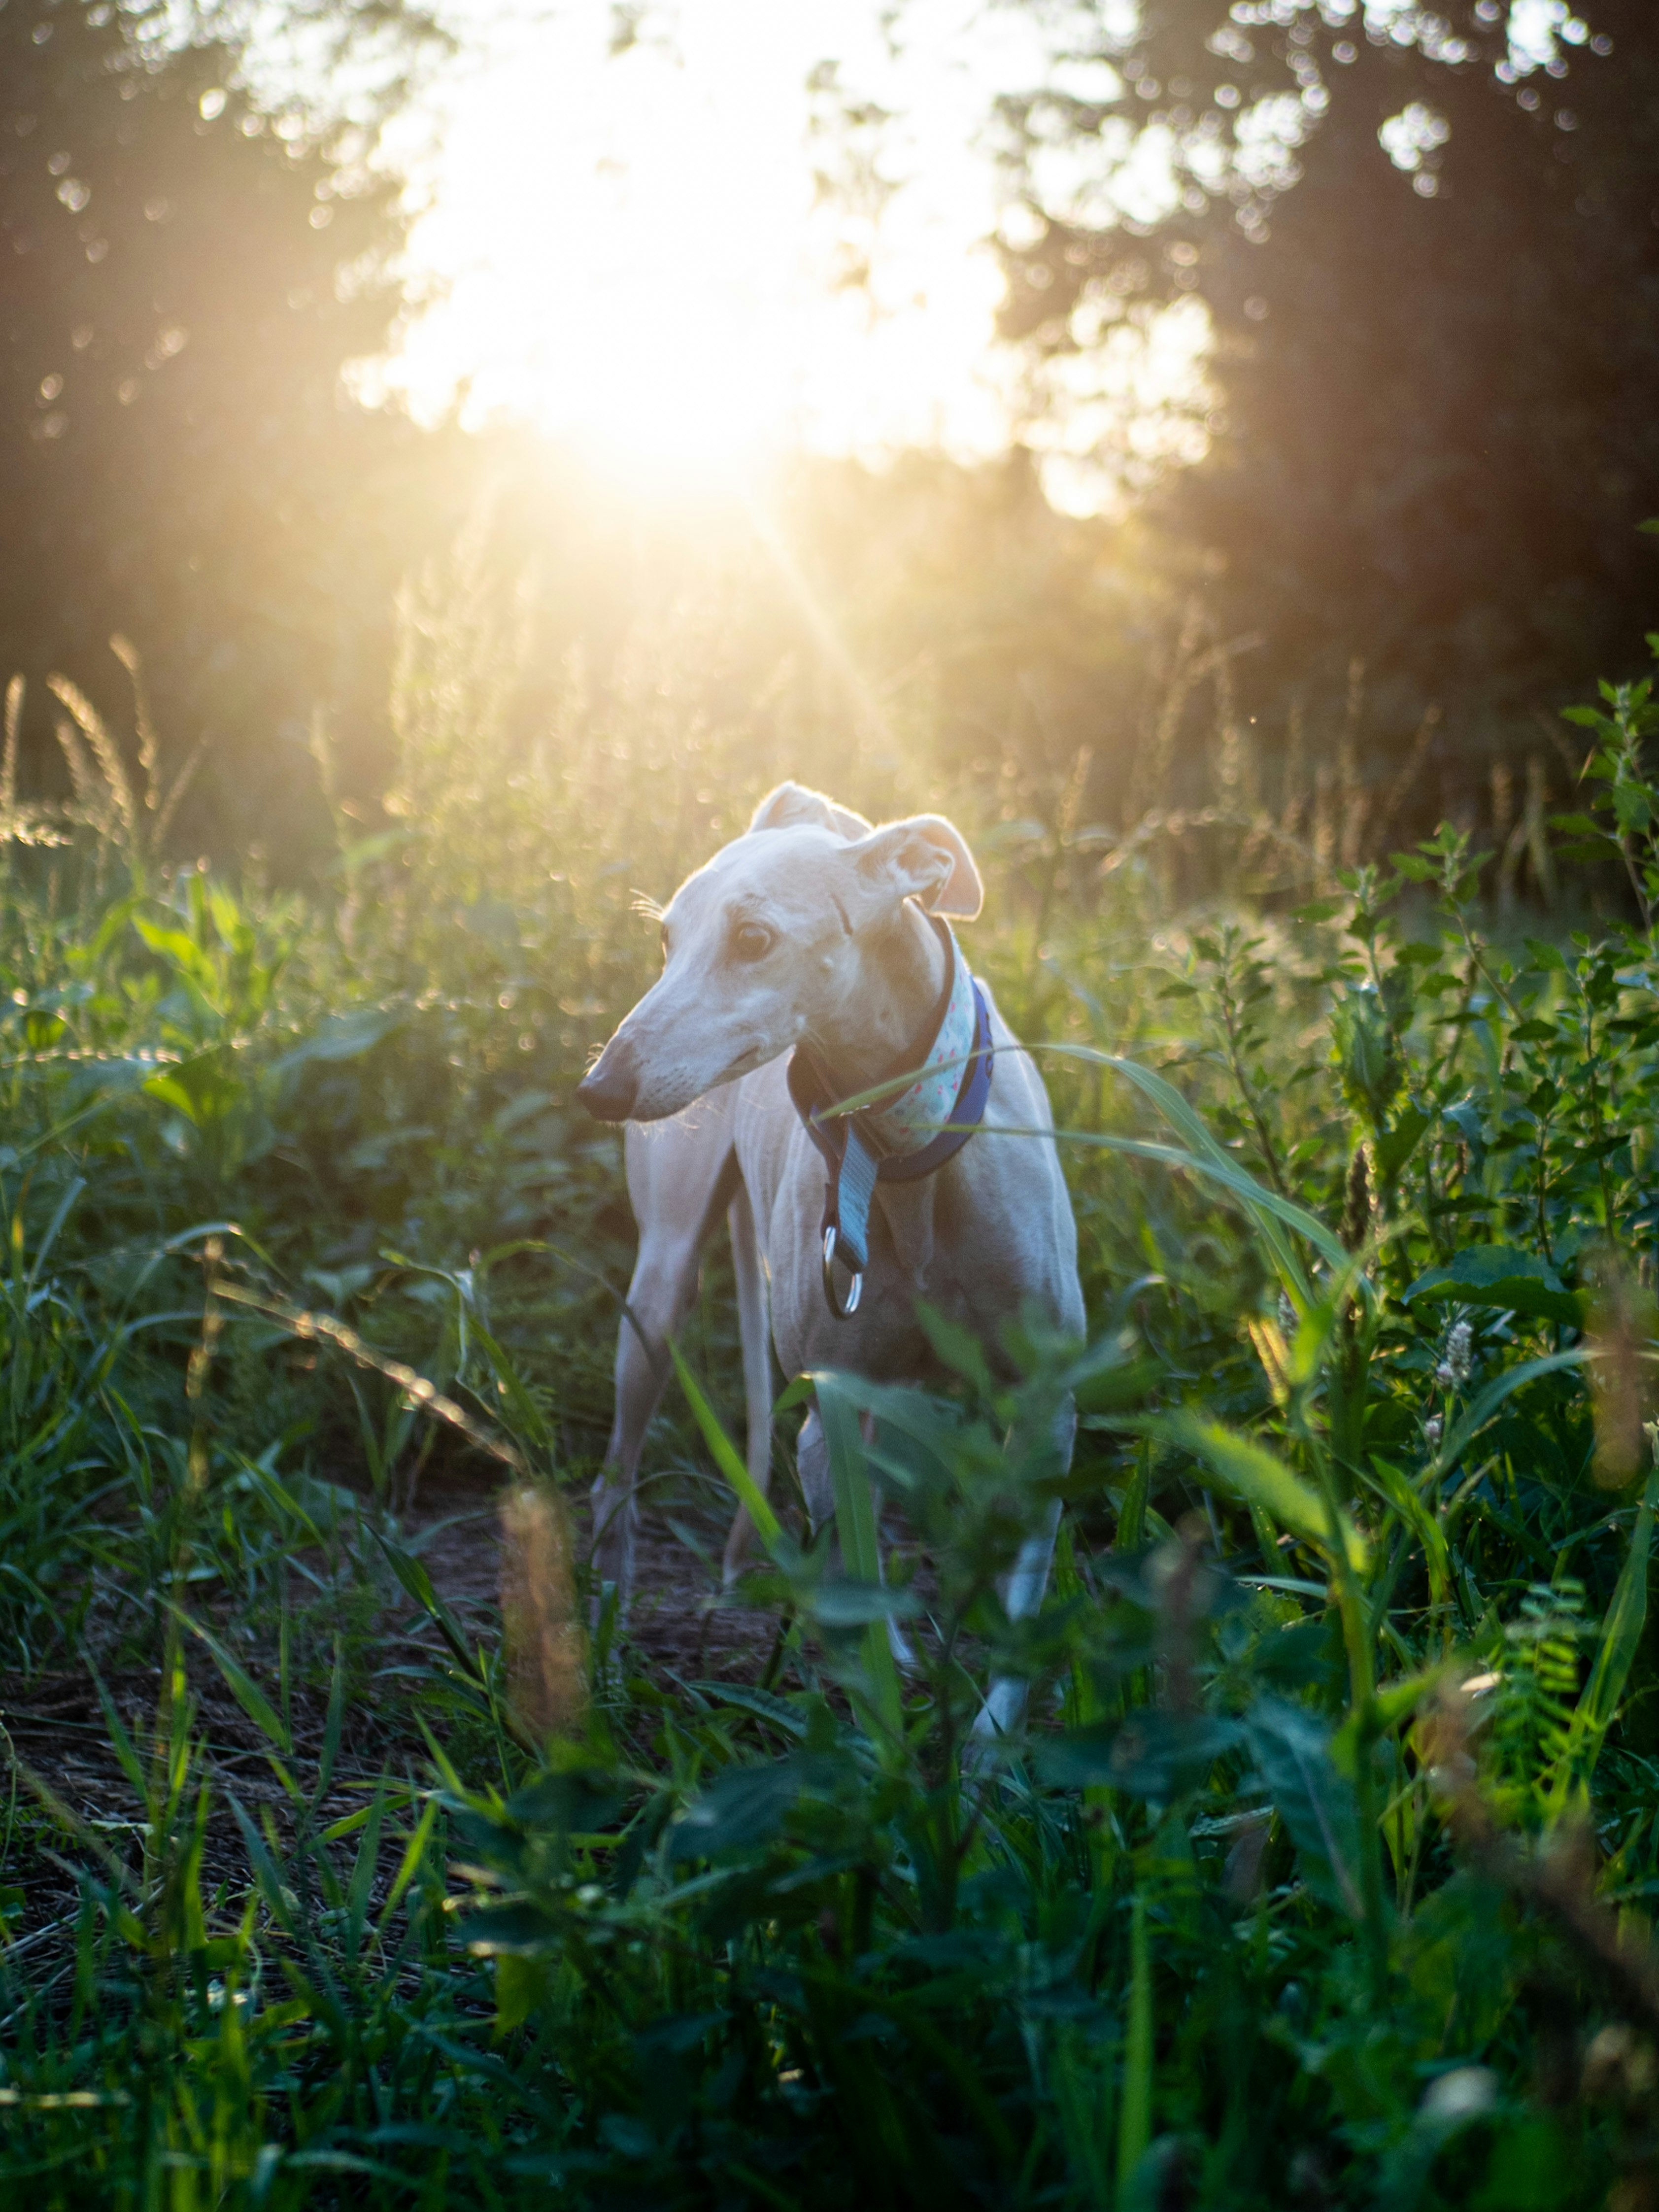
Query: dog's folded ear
{"type": "Point", "coordinates": [924, 858]}
{"type": "Point", "coordinates": [791, 804]}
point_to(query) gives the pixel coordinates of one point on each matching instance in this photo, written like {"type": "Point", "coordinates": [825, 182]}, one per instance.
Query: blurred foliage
{"type": "Point", "coordinates": [1426, 242]}
{"type": "Point", "coordinates": [187, 273]}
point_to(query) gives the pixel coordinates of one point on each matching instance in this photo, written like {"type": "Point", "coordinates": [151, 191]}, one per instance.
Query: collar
{"type": "Point", "coordinates": [901, 1138]}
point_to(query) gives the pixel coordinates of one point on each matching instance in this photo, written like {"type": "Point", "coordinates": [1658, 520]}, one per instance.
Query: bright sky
{"type": "Point", "coordinates": [631, 252]}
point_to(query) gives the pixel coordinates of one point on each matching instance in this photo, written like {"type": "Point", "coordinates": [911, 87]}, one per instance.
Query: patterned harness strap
{"type": "Point", "coordinates": [902, 1139]}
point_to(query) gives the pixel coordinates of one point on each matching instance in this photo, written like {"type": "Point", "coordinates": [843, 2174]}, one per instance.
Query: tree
{"type": "Point", "coordinates": [184, 274]}
{"type": "Point", "coordinates": [1431, 251]}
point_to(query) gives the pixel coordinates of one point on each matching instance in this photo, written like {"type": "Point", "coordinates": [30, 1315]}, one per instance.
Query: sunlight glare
{"type": "Point", "coordinates": [631, 252]}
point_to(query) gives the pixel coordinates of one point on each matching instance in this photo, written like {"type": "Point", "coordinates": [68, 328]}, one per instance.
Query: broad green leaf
{"type": "Point", "coordinates": [748, 1806]}
{"type": "Point", "coordinates": [778, 1712]}
{"type": "Point", "coordinates": [520, 1927]}
{"type": "Point", "coordinates": [339, 1036]}
{"type": "Point", "coordinates": [185, 955]}
{"type": "Point", "coordinates": [1308, 1345]}
{"type": "Point", "coordinates": [848, 1604]}
{"type": "Point", "coordinates": [1499, 1275]}
{"type": "Point", "coordinates": [929, 1427]}
{"type": "Point", "coordinates": [1477, 1265]}
{"type": "Point", "coordinates": [1291, 1748]}
{"type": "Point", "coordinates": [571, 1800]}
{"type": "Point", "coordinates": [1394, 1150]}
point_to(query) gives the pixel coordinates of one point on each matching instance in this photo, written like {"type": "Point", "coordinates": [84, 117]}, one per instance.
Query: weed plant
{"type": "Point", "coordinates": [1319, 1874]}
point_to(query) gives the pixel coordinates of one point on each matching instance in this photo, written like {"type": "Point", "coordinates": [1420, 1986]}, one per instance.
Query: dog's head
{"type": "Point", "coordinates": [768, 940]}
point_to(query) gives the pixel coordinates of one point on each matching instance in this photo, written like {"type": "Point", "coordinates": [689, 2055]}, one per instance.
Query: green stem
{"type": "Point", "coordinates": [1361, 1709]}
{"type": "Point", "coordinates": [1134, 2130]}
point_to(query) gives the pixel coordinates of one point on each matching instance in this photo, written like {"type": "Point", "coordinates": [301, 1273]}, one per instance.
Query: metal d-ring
{"type": "Point", "coordinates": [855, 1289]}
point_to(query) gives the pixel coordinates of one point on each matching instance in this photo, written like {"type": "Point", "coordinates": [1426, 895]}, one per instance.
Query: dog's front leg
{"type": "Point", "coordinates": [665, 1282]}
{"type": "Point", "coordinates": [754, 1333]}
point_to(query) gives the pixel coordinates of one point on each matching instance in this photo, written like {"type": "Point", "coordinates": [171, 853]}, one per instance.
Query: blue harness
{"type": "Point", "coordinates": [859, 1147]}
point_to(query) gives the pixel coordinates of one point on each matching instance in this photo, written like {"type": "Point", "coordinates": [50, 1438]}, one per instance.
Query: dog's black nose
{"type": "Point", "coordinates": [612, 1083]}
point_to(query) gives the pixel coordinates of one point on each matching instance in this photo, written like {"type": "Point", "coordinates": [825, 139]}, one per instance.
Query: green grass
{"type": "Point", "coordinates": [1321, 1875]}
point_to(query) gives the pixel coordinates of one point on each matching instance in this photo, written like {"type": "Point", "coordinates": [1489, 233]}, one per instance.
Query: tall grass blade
{"type": "Point", "coordinates": [1256, 1475]}
{"type": "Point", "coordinates": [242, 1685]}
{"type": "Point", "coordinates": [726, 1456]}
{"type": "Point", "coordinates": [1615, 1655]}
{"type": "Point", "coordinates": [1207, 1156]}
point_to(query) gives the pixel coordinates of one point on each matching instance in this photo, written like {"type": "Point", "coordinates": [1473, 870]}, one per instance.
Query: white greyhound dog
{"type": "Point", "coordinates": [816, 935]}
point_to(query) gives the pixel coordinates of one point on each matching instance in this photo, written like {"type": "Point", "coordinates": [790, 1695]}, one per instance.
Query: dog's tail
{"type": "Point", "coordinates": [754, 1328]}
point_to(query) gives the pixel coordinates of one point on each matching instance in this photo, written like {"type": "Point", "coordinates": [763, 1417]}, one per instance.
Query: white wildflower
{"type": "Point", "coordinates": [1433, 1429]}
{"type": "Point", "coordinates": [1457, 1361]}
{"type": "Point", "coordinates": [1461, 2094]}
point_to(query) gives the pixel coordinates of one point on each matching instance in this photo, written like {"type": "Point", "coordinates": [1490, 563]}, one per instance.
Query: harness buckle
{"type": "Point", "coordinates": [855, 1280]}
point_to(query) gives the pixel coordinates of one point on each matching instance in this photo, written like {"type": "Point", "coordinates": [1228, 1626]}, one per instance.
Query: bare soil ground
{"type": "Point", "coordinates": [64, 1773]}
{"type": "Point", "coordinates": [678, 1620]}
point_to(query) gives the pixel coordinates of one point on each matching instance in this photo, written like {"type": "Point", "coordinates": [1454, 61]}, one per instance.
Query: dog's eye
{"type": "Point", "coordinates": [751, 941]}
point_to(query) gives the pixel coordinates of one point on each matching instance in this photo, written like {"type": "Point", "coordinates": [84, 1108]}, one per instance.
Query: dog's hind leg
{"type": "Point", "coordinates": [754, 1328]}
{"type": "Point", "coordinates": [678, 1178]}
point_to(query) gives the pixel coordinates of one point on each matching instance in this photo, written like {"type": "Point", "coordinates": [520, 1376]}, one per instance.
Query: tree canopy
{"type": "Point", "coordinates": [187, 269]}
{"type": "Point", "coordinates": [1429, 246]}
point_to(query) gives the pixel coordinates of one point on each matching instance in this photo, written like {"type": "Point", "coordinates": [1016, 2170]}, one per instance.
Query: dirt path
{"type": "Point", "coordinates": [677, 1621]}
{"type": "Point", "coordinates": [61, 1769]}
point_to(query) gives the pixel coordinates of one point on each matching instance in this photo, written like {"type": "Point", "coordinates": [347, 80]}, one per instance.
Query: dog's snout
{"type": "Point", "coordinates": [611, 1086]}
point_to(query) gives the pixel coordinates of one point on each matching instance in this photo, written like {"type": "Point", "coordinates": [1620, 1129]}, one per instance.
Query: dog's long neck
{"type": "Point", "coordinates": [881, 1026]}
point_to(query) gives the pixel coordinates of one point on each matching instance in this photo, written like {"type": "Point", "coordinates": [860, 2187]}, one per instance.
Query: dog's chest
{"type": "Point", "coordinates": [990, 1230]}
{"type": "Point", "coordinates": [911, 1261]}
